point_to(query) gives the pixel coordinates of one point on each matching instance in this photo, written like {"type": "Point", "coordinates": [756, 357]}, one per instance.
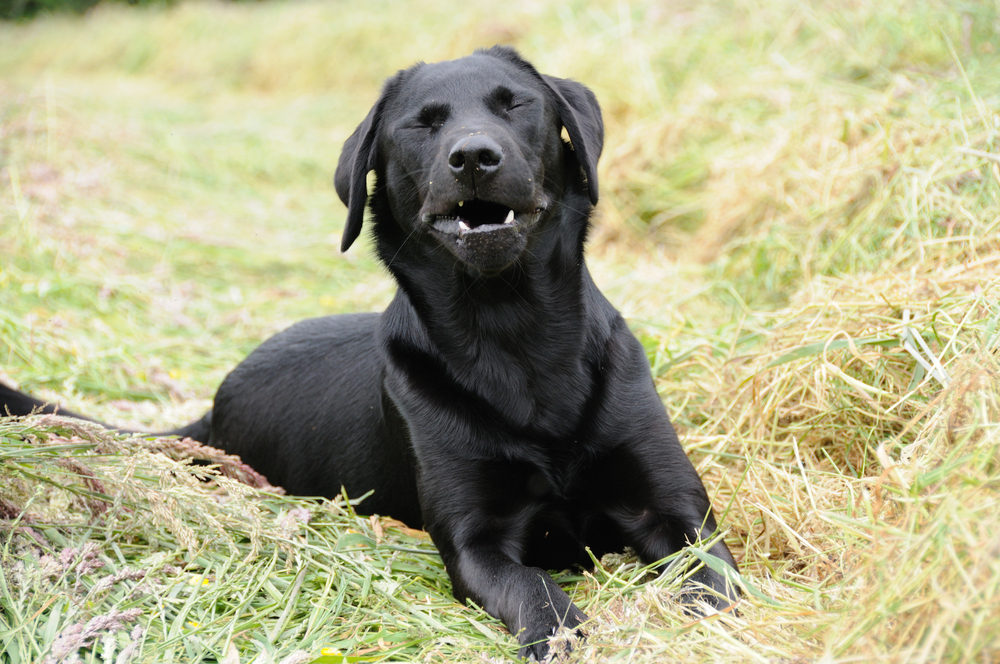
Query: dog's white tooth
{"type": "Point", "coordinates": [462, 226]}
{"type": "Point", "coordinates": [510, 218]}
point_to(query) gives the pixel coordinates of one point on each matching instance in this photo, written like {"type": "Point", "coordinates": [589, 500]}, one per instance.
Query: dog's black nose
{"type": "Point", "coordinates": [475, 155]}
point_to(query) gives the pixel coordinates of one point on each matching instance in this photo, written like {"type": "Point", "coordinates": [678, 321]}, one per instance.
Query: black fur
{"type": "Point", "coordinates": [500, 401]}
{"type": "Point", "coordinates": [13, 402]}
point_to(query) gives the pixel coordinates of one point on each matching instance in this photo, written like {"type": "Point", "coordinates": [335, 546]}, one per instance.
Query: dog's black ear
{"type": "Point", "coordinates": [581, 115]}
{"type": "Point", "coordinates": [356, 159]}
{"type": "Point", "coordinates": [351, 177]}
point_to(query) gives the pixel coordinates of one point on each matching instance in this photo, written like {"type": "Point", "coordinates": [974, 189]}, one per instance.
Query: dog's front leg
{"type": "Point", "coordinates": [526, 599]}
{"type": "Point", "coordinates": [661, 506]}
{"type": "Point", "coordinates": [665, 529]}
{"type": "Point", "coordinates": [647, 482]}
{"type": "Point", "coordinates": [478, 516]}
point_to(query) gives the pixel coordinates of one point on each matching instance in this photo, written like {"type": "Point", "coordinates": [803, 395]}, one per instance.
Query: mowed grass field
{"type": "Point", "coordinates": [799, 217]}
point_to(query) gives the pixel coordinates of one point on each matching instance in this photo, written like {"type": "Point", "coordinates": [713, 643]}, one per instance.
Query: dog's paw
{"type": "Point", "coordinates": [535, 652]}
{"type": "Point", "coordinates": [707, 592]}
{"type": "Point", "coordinates": [535, 644]}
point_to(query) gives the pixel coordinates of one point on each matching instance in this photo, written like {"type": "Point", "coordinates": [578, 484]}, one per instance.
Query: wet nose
{"type": "Point", "coordinates": [475, 156]}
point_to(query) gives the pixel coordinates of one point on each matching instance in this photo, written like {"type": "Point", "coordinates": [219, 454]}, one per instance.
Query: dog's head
{"type": "Point", "coordinates": [471, 154]}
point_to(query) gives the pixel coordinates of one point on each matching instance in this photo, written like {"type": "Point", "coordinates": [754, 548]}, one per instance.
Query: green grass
{"type": "Point", "coordinates": [790, 191]}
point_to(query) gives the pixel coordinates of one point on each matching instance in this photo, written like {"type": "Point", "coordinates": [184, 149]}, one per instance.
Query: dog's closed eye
{"type": "Point", "coordinates": [503, 101]}
{"type": "Point", "coordinates": [433, 116]}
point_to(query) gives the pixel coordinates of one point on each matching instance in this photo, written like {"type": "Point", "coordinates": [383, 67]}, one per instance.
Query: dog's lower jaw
{"type": "Point", "coordinates": [492, 251]}
{"type": "Point", "coordinates": [487, 249]}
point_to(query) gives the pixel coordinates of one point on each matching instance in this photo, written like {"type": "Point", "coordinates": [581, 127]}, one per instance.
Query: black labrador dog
{"type": "Point", "coordinates": [500, 401]}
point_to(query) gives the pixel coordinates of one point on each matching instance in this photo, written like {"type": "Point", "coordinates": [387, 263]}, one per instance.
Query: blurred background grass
{"type": "Point", "coordinates": [783, 185]}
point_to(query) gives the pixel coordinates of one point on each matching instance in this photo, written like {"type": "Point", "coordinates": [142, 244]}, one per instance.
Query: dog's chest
{"type": "Point", "coordinates": [560, 516]}
{"type": "Point", "coordinates": [539, 391]}
{"type": "Point", "coordinates": [552, 475]}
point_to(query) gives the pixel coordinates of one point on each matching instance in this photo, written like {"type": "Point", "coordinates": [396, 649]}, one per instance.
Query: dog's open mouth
{"type": "Point", "coordinates": [479, 216]}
